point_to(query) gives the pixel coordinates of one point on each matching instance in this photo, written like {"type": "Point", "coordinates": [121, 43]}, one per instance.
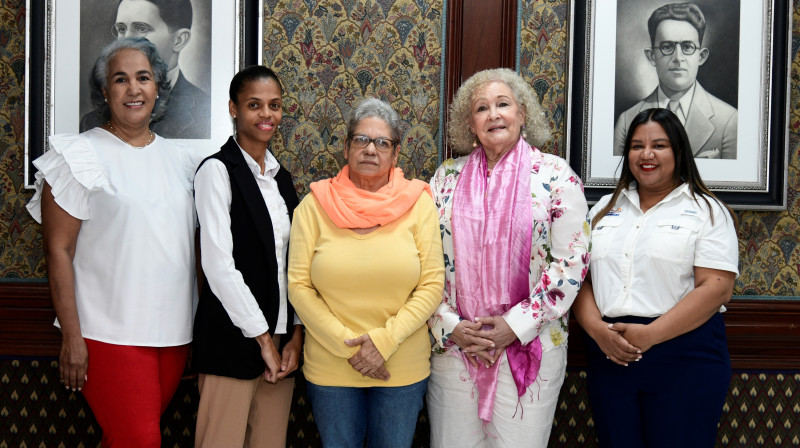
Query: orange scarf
{"type": "Point", "coordinates": [350, 207]}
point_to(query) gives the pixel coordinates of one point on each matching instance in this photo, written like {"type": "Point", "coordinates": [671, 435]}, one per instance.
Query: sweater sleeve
{"type": "Point", "coordinates": [308, 304]}
{"type": "Point", "coordinates": [428, 292]}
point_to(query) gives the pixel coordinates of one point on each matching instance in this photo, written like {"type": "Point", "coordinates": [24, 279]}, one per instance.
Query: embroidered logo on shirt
{"type": "Point", "coordinates": [689, 212]}
{"type": "Point", "coordinates": [614, 212]}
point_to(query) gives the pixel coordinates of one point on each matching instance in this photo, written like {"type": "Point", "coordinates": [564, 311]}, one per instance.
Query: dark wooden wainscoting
{"type": "Point", "coordinates": [762, 334]}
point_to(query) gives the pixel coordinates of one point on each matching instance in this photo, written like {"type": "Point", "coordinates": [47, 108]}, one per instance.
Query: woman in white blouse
{"type": "Point", "coordinates": [247, 339]}
{"type": "Point", "coordinates": [118, 221]}
{"type": "Point", "coordinates": [664, 261]}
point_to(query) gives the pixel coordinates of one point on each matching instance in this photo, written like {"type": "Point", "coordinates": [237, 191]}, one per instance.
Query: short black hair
{"type": "Point", "coordinates": [176, 14]}
{"type": "Point", "coordinates": [686, 12]}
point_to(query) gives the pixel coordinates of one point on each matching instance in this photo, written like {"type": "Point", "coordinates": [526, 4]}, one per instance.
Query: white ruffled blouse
{"type": "Point", "coordinates": [134, 258]}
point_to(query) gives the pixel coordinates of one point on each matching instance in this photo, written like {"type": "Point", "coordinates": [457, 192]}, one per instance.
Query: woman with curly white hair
{"type": "Point", "coordinates": [516, 244]}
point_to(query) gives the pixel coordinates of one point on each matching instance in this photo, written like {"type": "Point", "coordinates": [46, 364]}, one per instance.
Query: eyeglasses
{"type": "Point", "coordinates": [138, 29]}
{"type": "Point", "coordinates": [667, 47]}
{"type": "Point", "coordinates": [381, 144]}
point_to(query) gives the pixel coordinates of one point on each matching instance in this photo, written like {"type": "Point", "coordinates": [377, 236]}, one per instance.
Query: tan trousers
{"type": "Point", "coordinates": [242, 413]}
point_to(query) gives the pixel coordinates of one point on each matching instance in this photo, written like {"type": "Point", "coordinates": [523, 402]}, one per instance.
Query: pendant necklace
{"type": "Point", "coordinates": [150, 140]}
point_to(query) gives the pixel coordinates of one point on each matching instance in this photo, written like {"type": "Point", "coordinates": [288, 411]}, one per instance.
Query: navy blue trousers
{"type": "Point", "coordinates": [672, 397]}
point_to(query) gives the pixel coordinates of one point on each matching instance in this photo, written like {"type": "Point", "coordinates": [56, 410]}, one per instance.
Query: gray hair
{"type": "Point", "coordinates": [99, 74]}
{"type": "Point", "coordinates": [461, 138]}
{"type": "Point", "coordinates": [374, 108]}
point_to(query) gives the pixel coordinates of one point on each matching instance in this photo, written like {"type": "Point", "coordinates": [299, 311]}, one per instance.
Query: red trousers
{"type": "Point", "coordinates": [129, 387]}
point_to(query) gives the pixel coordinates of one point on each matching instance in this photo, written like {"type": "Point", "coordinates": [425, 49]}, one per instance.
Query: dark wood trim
{"type": "Point", "coordinates": [455, 16]}
{"type": "Point", "coordinates": [508, 35]}
{"type": "Point", "coordinates": [501, 51]}
{"type": "Point", "coordinates": [26, 321]}
{"type": "Point", "coordinates": [762, 334]}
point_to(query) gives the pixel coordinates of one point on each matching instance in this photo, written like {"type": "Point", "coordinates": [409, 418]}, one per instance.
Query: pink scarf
{"type": "Point", "coordinates": [492, 225]}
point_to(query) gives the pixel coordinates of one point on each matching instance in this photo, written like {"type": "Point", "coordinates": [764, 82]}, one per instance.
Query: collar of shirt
{"type": "Point", "coordinates": [632, 194]}
{"type": "Point", "coordinates": [172, 76]}
{"type": "Point", "coordinates": [271, 165]}
{"type": "Point", "coordinates": [685, 100]}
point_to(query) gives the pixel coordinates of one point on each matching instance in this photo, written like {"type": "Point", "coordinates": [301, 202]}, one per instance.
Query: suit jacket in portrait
{"type": "Point", "coordinates": [711, 125]}
{"type": "Point", "coordinates": [188, 114]}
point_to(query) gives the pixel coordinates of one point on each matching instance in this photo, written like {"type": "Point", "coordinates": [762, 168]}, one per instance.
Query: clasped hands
{"type": "Point", "coordinates": [483, 340]}
{"type": "Point", "coordinates": [368, 361]}
{"type": "Point", "coordinates": [278, 367]}
{"type": "Point", "coordinates": [621, 342]}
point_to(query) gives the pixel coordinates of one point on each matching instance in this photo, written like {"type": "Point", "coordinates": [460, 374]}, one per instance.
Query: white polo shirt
{"type": "Point", "coordinates": [643, 263]}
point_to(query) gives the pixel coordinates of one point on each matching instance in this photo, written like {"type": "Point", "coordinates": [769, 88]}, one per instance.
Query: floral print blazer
{"type": "Point", "coordinates": [559, 252]}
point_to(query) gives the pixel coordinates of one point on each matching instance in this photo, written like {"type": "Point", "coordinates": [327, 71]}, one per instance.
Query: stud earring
{"type": "Point", "coordinates": [105, 99]}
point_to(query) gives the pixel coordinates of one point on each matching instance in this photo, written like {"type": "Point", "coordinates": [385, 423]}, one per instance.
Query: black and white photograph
{"type": "Point", "coordinates": [683, 57]}
{"type": "Point", "coordinates": [203, 43]}
{"type": "Point", "coordinates": [181, 31]}
{"type": "Point", "coordinates": [724, 77]}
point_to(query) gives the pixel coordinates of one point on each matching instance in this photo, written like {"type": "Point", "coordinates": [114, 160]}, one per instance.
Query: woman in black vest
{"type": "Point", "coordinates": [247, 339]}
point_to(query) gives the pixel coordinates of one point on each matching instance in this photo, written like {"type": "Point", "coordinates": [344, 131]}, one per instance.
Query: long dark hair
{"type": "Point", "coordinates": [685, 168]}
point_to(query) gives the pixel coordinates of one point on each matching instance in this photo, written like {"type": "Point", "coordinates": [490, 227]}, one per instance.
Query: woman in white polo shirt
{"type": "Point", "coordinates": [664, 261]}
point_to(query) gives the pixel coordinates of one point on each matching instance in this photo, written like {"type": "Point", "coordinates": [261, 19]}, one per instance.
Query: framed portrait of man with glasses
{"type": "Point", "coordinates": [721, 66]}
{"type": "Point", "coordinates": [676, 47]}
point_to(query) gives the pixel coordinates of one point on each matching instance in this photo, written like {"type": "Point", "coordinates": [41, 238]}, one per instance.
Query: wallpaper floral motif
{"type": "Point", "coordinates": [331, 53]}
{"type": "Point", "coordinates": [542, 61]}
{"type": "Point", "coordinates": [21, 255]}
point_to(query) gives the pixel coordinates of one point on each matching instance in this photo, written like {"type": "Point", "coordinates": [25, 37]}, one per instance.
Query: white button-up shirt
{"type": "Point", "coordinates": [643, 263]}
{"type": "Point", "coordinates": [213, 201]}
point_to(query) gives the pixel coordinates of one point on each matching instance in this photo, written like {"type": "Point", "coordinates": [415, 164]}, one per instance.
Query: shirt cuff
{"type": "Point", "coordinates": [521, 324]}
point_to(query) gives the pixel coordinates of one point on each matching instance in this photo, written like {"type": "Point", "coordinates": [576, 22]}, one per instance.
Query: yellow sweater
{"type": "Point", "coordinates": [386, 283]}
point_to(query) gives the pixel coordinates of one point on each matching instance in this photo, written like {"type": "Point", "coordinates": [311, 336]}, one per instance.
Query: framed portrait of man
{"type": "Point", "coordinates": [202, 42]}
{"type": "Point", "coordinates": [720, 66]}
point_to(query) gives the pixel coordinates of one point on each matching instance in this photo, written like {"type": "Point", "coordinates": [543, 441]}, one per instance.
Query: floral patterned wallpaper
{"type": "Point", "coordinates": [330, 53]}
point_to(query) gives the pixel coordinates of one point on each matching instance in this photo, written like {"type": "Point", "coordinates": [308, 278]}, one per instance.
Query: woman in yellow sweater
{"type": "Point", "coordinates": [365, 274]}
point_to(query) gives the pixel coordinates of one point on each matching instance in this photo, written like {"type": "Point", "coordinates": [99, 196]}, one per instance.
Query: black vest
{"type": "Point", "coordinates": [219, 346]}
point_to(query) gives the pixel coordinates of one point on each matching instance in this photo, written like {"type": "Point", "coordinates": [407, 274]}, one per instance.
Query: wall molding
{"type": "Point", "coordinates": [763, 333]}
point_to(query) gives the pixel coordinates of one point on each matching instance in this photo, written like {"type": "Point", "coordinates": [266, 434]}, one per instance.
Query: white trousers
{"type": "Point", "coordinates": [524, 421]}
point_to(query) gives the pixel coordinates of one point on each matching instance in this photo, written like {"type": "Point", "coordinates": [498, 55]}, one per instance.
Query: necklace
{"type": "Point", "coordinates": [150, 140]}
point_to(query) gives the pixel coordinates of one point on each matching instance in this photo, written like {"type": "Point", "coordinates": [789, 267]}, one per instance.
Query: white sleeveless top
{"type": "Point", "coordinates": [134, 259]}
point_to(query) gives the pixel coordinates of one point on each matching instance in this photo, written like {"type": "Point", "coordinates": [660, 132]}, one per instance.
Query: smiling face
{"type": "Point", "coordinates": [369, 167]}
{"type": "Point", "coordinates": [496, 118]}
{"type": "Point", "coordinates": [258, 112]}
{"type": "Point", "coordinates": [677, 71]}
{"type": "Point", "coordinates": [130, 89]}
{"type": "Point", "coordinates": [651, 159]}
